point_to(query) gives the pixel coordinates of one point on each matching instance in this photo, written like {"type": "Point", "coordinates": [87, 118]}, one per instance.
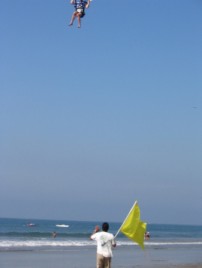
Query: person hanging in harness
{"type": "Point", "coordinates": [80, 6]}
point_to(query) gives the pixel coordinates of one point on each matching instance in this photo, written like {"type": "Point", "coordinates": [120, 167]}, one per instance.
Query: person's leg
{"type": "Point", "coordinates": [100, 261]}
{"type": "Point", "coordinates": [107, 262]}
{"type": "Point", "coordinates": [72, 19]}
{"type": "Point", "coordinates": [79, 20]}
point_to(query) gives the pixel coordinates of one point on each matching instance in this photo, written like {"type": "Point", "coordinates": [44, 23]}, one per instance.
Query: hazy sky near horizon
{"type": "Point", "coordinates": [95, 118]}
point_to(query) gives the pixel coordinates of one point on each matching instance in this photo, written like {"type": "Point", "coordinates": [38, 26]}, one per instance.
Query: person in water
{"type": "Point", "coordinates": [54, 234]}
{"type": "Point", "coordinates": [80, 6]}
{"type": "Point", "coordinates": [147, 236]}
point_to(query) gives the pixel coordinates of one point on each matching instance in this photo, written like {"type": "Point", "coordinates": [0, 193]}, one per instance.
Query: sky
{"type": "Point", "coordinates": [92, 119]}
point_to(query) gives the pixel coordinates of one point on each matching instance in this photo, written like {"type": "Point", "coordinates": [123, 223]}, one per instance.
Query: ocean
{"type": "Point", "coordinates": [47, 238]}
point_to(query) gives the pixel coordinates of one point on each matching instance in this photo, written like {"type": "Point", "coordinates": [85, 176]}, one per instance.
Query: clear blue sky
{"type": "Point", "coordinates": [92, 119]}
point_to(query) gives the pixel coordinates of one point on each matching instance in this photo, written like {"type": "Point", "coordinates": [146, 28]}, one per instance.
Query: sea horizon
{"type": "Point", "coordinates": [94, 221]}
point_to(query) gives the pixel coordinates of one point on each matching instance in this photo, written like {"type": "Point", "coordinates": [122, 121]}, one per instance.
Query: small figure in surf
{"type": "Point", "coordinates": [147, 236]}
{"type": "Point", "coordinates": [54, 234]}
{"type": "Point", "coordinates": [80, 6]}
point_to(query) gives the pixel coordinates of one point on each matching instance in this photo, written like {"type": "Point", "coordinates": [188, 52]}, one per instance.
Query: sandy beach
{"type": "Point", "coordinates": [85, 258]}
{"type": "Point", "coordinates": [199, 265]}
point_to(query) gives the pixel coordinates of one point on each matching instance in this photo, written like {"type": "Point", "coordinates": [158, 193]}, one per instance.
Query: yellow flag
{"type": "Point", "coordinates": [133, 227]}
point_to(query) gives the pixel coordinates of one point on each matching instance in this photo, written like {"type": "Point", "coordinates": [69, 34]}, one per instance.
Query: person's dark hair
{"type": "Point", "coordinates": [105, 226]}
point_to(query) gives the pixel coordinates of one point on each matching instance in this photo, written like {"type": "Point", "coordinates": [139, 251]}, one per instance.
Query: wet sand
{"type": "Point", "coordinates": [86, 258]}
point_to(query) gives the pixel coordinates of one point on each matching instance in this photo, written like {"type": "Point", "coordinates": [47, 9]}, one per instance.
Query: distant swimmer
{"type": "Point", "coordinates": [147, 236]}
{"type": "Point", "coordinates": [54, 234]}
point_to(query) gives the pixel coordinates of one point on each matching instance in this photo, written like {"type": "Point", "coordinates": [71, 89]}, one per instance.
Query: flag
{"type": "Point", "coordinates": [133, 227]}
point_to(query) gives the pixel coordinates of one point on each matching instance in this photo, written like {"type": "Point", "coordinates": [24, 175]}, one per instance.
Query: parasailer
{"type": "Point", "coordinates": [80, 6]}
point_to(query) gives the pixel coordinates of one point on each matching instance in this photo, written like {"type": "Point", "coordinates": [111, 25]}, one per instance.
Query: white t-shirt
{"type": "Point", "coordinates": [105, 241]}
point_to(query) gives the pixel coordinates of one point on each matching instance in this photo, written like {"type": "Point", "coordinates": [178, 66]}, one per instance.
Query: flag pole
{"type": "Point", "coordinates": [125, 219]}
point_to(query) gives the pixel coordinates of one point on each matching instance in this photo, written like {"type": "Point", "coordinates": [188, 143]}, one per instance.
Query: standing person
{"type": "Point", "coordinates": [105, 242]}
{"type": "Point", "coordinates": [80, 6]}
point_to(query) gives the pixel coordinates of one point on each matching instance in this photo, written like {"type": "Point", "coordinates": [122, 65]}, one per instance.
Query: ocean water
{"type": "Point", "coordinates": [22, 239]}
{"type": "Point", "coordinates": [26, 234]}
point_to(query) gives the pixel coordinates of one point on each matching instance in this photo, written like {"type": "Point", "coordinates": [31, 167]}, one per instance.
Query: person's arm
{"type": "Point", "coordinates": [88, 4]}
{"type": "Point", "coordinates": [97, 229]}
{"type": "Point", "coordinates": [113, 243]}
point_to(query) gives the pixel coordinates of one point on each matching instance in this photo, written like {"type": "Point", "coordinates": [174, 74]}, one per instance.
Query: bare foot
{"type": "Point", "coordinates": [71, 24]}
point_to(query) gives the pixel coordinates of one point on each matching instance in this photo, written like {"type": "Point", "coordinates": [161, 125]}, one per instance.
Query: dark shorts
{"type": "Point", "coordinates": [81, 12]}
